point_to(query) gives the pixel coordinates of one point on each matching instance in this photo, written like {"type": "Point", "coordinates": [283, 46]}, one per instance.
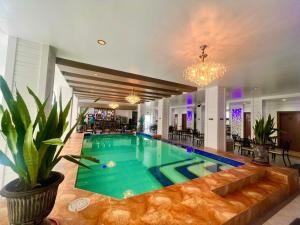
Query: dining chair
{"type": "Point", "coordinates": [282, 151]}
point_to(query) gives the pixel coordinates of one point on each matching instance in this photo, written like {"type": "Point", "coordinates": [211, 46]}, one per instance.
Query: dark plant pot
{"type": "Point", "coordinates": [261, 154]}
{"type": "Point", "coordinates": [79, 128]}
{"type": "Point", "coordinates": [31, 207]}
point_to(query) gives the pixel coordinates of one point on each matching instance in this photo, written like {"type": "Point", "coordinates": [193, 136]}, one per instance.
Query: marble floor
{"type": "Point", "coordinates": [237, 196]}
{"type": "Point", "coordinates": [285, 213]}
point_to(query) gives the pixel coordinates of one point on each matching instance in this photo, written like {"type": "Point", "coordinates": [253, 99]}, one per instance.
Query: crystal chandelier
{"type": "Point", "coordinates": [113, 105]}
{"type": "Point", "coordinates": [202, 73]}
{"type": "Point", "coordinates": [132, 98]}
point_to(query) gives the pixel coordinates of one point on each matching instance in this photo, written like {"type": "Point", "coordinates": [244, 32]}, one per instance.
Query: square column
{"type": "Point", "coordinates": [200, 112]}
{"type": "Point", "coordinates": [256, 112]}
{"type": "Point", "coordinates": [140, 112]}
{"type": "Point", "coordinates": [28, 64]}
{"type": "Point", "coordinates": [163, 118]}
{"type": "Point", "coordinates": [215, 133]}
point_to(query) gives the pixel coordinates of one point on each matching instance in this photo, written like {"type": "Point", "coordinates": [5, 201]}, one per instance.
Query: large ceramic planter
{"type": "Point", "coordinates": [261, 154]}
{"type": "Point", "coordinates": [31, 207]}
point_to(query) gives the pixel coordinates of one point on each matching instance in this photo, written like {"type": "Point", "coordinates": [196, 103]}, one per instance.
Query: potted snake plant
{"type": "Point", "coordinates": [263, 131]}
{"type": "Point", "coordinates": [35, 147]}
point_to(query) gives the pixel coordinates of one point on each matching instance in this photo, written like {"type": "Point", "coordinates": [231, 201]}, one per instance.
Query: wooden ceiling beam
{"type": "Point", "coordinates": [97, 87]}
{"type": "Point", "coordinates": [83, 66]}
{"type": "Point", "coordinates": [115, 93]}
{"type": "Point", "coordinates": [102, 97]}
{"type": "Point", "coordinates": [108, 95]}
{"type": "Point", "coordinates": [69, 76]}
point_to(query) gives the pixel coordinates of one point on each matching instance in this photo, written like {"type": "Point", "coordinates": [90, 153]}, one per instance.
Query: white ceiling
{"type": "Point", "coordinates": [257, 40]}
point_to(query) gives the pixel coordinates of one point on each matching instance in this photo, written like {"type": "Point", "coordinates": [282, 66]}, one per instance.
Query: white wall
{"type": "Point", "coordinates": [163, 118]}
{"type": "Point", "coordinates": [61, 87]}
{"type": "Point", "coordinates": [74, 110]}
{"type": "Point", "coordinates": [272, 107]}
{"type": "Point", "coordinates": [28, 66]}
{"type": "Point", "coordinates": [182, 110]}
{"type": "Point", "coordinates": [215, 118]}
{"type": "Point", "coordinates": [124, 113]}
{"type": "Point", "coordinates": [3, 51]}
{"type": "Point", "coordinates": [181, 104]}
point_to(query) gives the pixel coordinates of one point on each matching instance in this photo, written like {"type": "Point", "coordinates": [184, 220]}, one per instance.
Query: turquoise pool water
{"type": "Point", "coordinates": [134, 164]}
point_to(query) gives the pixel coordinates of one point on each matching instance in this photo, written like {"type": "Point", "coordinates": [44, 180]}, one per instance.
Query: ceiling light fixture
{"type": "Point", "coordinates": [101, 42]}
{"type": "Point", "coordinates": [113, 105]}
{"type": "Point", "coordinates": [202, 73]}
{"type": "Point", "coordinates": [133, 98]}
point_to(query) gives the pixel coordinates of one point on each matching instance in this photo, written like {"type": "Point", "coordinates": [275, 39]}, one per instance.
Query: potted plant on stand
{"type": "Point", "coordinates": [81, 127]}
{"type": "Point", "coordinates": [263, 131]}
{"type": "Point", "coordinates": [35, 147]}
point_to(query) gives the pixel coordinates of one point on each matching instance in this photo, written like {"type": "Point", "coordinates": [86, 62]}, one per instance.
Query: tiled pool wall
{"type": "Point", "coordinates": [199, 152]}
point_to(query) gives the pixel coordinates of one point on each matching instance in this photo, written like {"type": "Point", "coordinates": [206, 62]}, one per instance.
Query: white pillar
{"type": "Point", "coordinates": [140, 112]}
{"type": "Point", "coordinates": [200, 120]}
{"type": "Point", "coordinates": [215, 135]}
{"type": "Point", "coordinates": [256, 112]}
{"type": "Point", "coordinates": [163, 118]}
{"type": "Point", "coordinates": [28, 64]}
{"type": "Point", "coordinates": [74, 110]}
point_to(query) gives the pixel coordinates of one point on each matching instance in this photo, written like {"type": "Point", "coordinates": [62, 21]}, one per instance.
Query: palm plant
{"type": "Point", "coordinates": [263, 130]}
{"type": "Point", "coordinates": [35, 145]}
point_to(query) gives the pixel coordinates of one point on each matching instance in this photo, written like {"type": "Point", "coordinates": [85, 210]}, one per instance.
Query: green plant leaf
{"type": "Point", "coordinates": [23, 111]}
{"type": "Point", "coordinates": [10, 132]}
{"type": "Point", "coordinates": [41, 117]}
{"type": "Point", "coordinates": [50, 129]}
{"type": "Point", "coordinates": [54, 141]}
{"type": "Point", "coordinates": [55, 161]}
{"type": "Point", "coordinates": [31, 156]}
{"type": "Point", "coordinates": [5, 161]}
{"type": "Point", "coordinates": [89, 158]}
{"type": "Point", "coordinates": [71, 159]}
{"type": "Point", "coordinates": [6, 93]}
{"type": "Point", "coordinates": [15, 114]}
{"type": "Point", "coordinates": [1, 110]}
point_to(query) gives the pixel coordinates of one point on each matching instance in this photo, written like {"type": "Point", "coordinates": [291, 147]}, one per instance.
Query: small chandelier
{"type": "Point", "coordinates": [132, 98]}
{"type": "Point", "coordinates": [203, 73]}
{"type": "Point", "coordinates": [113, 105]}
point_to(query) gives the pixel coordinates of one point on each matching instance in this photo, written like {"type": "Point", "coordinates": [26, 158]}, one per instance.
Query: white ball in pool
{"type": "Point", "coordinates": [128, 193]}
{"type": "Point", "coordinates": [111, 164]}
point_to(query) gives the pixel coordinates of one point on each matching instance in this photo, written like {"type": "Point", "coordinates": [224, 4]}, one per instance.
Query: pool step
{"type": "Point", "coordinates": [180, 171]}
{"type": "Point", "coordinates": [162, 177]}
{"type": "Point", "coordinates": [251, 196]}
{"type": "Point", "coordinates": [238, 177]}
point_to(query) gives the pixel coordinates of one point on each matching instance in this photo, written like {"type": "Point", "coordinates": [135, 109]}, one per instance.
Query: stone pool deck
{"type": "Point", "coordinates": [236, 196]}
